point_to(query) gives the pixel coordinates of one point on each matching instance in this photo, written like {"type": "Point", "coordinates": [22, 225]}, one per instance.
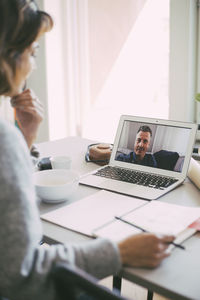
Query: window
{"type": "Point", "coordinates": [129, 72]}
{"type": "Point", "coordinates": [107, 58]}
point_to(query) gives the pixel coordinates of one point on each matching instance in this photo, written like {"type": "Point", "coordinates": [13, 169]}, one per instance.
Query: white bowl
{"type": "Point", "coordinates": [55, 185]}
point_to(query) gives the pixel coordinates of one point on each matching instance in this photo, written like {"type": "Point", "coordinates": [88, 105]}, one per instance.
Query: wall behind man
{"type": "Point", "coordinates": [37, 82]}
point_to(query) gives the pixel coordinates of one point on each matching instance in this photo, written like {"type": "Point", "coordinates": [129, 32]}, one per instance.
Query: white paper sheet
{"type": "Point", "coordinates": [162, 217]}
{"type": "Point", "coordinates": [92, 212]}
{"type": "Point", "coordinates": [116, 231]}
{"type": "Point", "coordinates": [157, 217]}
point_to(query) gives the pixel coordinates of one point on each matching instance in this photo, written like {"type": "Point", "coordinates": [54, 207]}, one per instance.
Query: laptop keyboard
{"type": "Point", "coordinates": [136, 177]}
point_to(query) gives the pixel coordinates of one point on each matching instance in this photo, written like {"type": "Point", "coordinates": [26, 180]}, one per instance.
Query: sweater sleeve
{"type": "Point", "coordinates": [24, 265]}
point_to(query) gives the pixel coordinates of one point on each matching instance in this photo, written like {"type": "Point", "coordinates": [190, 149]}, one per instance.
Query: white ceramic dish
{"type": "Point", "coordinates": [55, 186]}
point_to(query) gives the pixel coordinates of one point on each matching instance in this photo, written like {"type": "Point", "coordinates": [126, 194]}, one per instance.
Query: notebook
{"type": "Point", "coordinates": [101, 208]}
{"type": "Point", "coordinates": [150, 157]}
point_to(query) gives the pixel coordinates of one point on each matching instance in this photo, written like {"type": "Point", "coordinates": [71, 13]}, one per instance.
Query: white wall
{"type": "Point", "coordinates": [171, 139]}
{"type": "Point", "coordinates": [182, 71]}
{"type": "Point", "coordinates": [109, 24]}
{"type": "Point", "coordinates": [37, 82]}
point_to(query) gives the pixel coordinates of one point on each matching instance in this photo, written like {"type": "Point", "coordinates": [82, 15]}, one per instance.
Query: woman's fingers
{"type": "Point", "coordinates": [29, 114]}
{"type": "Point", "coordinates": [27, 102]}
{"type": "Point", "coordinates": [27, 95]}
{"type": "Point", "coordinates": [144, 249]}
{"type": "Point", "coordinates": [25, 99]}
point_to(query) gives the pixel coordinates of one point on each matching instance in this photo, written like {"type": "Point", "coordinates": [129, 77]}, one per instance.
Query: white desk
{"type": "Point", "coordinates": [178, 277]}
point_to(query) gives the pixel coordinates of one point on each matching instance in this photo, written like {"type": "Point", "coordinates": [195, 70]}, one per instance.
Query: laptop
{"type": "Point", "coordinates": [150, 157]}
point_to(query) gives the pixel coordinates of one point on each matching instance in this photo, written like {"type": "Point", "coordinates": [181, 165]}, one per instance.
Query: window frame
{"type": "Point", "coordinates": [183, 60]}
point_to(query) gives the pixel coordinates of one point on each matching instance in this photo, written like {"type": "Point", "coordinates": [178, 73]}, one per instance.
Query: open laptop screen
{"type": "Point", "coordinates": [158, 146]}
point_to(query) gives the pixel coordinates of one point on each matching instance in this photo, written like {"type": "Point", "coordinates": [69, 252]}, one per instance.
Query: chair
{"type": "Point", "coordinates": [166, 159]}
{"type": "Point", "coordinates": [117, 283]}
{"type": "Point", "coordinates": [73, 283]}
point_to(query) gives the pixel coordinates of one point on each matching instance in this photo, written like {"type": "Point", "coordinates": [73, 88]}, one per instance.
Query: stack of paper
{"type": "Point", "coordinates": [92, 212]}
{"type": "Point", "coordinates": [95, 216]}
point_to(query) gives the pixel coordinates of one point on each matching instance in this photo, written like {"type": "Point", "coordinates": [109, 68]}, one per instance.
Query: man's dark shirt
{"type": "Point", "coordinates": [148, 160]}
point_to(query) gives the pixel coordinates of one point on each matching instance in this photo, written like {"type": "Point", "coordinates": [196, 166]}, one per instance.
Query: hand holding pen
{"type": "Point", "coordinates": [144, 250]}
{"type": "Point", "coordinates": [142, 229]}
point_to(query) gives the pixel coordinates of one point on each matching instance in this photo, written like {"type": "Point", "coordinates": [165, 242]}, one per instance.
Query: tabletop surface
{"type": "Point", "coordinates": [178, 276]}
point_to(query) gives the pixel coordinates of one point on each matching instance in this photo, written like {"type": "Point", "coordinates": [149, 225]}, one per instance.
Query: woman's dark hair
{"type": "Point", "coordinates": [21, 22]}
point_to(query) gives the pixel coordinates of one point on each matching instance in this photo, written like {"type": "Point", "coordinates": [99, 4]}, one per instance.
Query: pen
{"type": "Point", "coordinates": [138, 227]}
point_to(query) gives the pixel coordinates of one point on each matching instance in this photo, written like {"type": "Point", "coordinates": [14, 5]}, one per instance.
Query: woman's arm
{"type": "Point", "coordinates": [29, 114]}
{"type": "Point", "coordinates": [24, 265]}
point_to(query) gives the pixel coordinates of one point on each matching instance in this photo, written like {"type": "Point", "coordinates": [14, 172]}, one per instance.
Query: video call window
{"type": "Point", "coordinates": [157, 146]}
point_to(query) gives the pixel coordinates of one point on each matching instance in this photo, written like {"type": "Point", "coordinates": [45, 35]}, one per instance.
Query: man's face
{"type": "Point", "coordinates": [141, 144]}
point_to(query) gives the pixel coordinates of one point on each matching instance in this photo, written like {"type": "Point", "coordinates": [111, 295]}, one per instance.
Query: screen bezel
{"type": "Point", "coordinates": [190, 145]}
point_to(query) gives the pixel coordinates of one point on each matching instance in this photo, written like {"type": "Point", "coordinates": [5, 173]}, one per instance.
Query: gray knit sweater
{"type": "Point", "coordinates": [24, 266]}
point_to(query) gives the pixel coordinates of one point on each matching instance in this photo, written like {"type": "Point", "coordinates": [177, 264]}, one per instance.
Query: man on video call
{"type": "Point", "coordinates": [139, 156]}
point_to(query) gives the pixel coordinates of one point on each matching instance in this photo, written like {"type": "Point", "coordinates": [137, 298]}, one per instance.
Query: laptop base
{"type": "Point", "coordinates": [124, 187]}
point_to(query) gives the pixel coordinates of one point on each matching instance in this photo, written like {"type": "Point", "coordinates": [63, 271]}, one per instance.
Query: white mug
{"type": "Point", "coordinates": [61, 162]}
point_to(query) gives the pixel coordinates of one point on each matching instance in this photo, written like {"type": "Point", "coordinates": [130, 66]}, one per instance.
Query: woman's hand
{"type": "Point", "coordinates": [29, 114]}
{"type": "Point", "coordinates": [144, 250]}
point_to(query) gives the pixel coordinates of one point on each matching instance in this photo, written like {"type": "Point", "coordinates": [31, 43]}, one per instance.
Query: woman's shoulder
{"type": "Point", "coordinates": [10, 135]}
{"type": "Point", "coordinates": [6, 127]}
{"type": "Point", "coordinates": [13, 147]}
{"type": "Point", "coordinates": [9, 130]}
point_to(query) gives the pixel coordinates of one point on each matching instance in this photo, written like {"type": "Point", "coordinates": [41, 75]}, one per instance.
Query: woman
{"type": "Point", "coordinates": [24, 265]}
